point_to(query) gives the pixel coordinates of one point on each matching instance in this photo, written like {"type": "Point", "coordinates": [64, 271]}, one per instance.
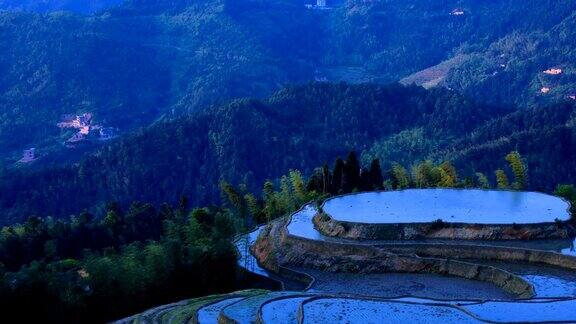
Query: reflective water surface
{"type": "Point", "coordinates": [450, 205]}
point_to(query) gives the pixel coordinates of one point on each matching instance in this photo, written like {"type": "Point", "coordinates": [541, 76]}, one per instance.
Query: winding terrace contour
{"type": "Point", "coordinates": [453, 214]}
{"type": "Point", "coordinates": [350, 260]}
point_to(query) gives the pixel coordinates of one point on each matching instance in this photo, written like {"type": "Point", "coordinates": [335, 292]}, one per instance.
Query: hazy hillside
{"type": "Point", "coordinates": [151, 58]}
{"type": "Point", "coordinates": [546, 137]}
{"type": "Point", "coordinates": [154, 151]}
{"type": "Point", "coordinates": [536, 66]}
{"type": "Point", "coordinates": [245, 141]}
{"type": "Point", "coordinates": [125, 67]}
{"type": "Point", "coordinates": [78, 6]}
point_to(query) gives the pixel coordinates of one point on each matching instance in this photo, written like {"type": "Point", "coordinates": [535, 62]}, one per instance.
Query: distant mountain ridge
{"type": "Point", "coordinates": [537, 67]}
{"type": "Point", "coordinates": [244, 141]}
{"type": "Point", "coordinates": [77, 6]}
{"type": "Point", "coordinates": [170, 68]}
{"type": "Point", "coordinates": [133, 63]}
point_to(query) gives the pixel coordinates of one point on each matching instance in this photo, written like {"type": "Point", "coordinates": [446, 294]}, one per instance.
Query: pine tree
{"type": "Point", "coordinates": [298, 187]}
{"type": "Point", "coordinates": [502, 179]}
{"type": "Point", "coordinates": [482, 180]}
{"type": "Point", "coordinates": [519, 169]}
{"type": "Point", "coordinates": [448, 175]}
{"type": "Point", "coordinates": [376, 175]}
{"type": "Point", "coordinates": [425, 174]}
{"type": "Point", "coordinates": [446, 180]}
{"type": "Point", "coordinates": [112, 221]}
{"type": "Point", "coordinates": [337, 175]}
{"type": "Point", "coordinates": [326, 178]}
{"type": "Point", "coordinates": [253, 207]}
{"type": "Point", "coordinates": [316, 182]}
{"type": "Point", "coordinates": [286, 196]}
{"type": "Point", "coordinates": [270, 201]}
{"type": "Point", "coordinates": [183, 206]}
{"type": "Point", "coordinates": [365, 182]}
{"type": "Point", "coordinates": [232, 195]}
{"type": "Point", "coordinates": [268, 191]}
{"type": "Point", "coordinates": [400, 175]}
{"type": "Point", "coordinates": [351, 176]}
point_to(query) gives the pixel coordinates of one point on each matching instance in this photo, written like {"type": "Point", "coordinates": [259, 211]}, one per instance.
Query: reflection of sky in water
{"type": "Point", "coordinates": [569, 250]}
{"type": "Point", "coordinates": [210, 313]}
{"type": "Point", "coordinates": [525, 312]}
{"type": "Point", "coordinates": [247, 260]}
{"type": "Point", "coordinates": [340, 310]}
{"type": "Point", "coordinates": [547, 281]}
{"type": "Point", "coordinates": [246, 311]}
{"type": "Point", "coordinates": [282, 311]}
{"type": "Point", "coordinates": [301, 224]}
{"type": "Point", "coordinates": [551, 286]}
{"type": "Point", "coordinates": [450, 205]}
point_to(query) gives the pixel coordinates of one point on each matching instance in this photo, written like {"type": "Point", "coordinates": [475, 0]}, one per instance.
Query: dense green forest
{"type": "Point", "coordinates": [546, 136]}
{"type": "Point", "coordinates": [102, 267]}
{"type": "Point", "coordinates": [253, 108]}
{"type": "Point", "coordinates": [248, 141]}
{"type": "Point", "coordinates": [244, 141]}
{"type": "Point", "coordinates": [132, 64]}
{"type": "Point", "coordinates": [78, 6]}
{"type": "Point", "coordinates": [518, 61]}
{"type": "Point", "coordinates": [95, 269]}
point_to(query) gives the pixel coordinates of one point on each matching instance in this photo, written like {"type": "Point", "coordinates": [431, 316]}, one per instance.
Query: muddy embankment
{"type": "Point", "coordinates": [276, 249]}
{"type": "Point", "coordinates": [440, 230]}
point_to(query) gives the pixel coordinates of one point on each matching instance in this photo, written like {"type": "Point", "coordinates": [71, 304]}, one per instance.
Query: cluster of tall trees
{"type": "Point", "coordinates": [245, 141]}
{"type": "Point", "coordinates": [93, 269]}
{"type": "Point", "coordinates": [389, 123]}
{"type": "Point", "coordinates": [291, 192]}
{"type": "Point", "coordinates": [347, 176]}
{"type": "Point", "coordinates": [101, 267]}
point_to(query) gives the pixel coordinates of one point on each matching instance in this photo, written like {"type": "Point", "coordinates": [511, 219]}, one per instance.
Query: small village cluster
{"type": "Point", "coordinates": [84, 126]}
{"type": "Point", "coordinates": [320, 4]}
{"type": "Point", "coordinates": [457, 12]}
{"type": "Point", "coordinates": [85, 129]}
{"type": "Point", "coordinates": [554, 71]}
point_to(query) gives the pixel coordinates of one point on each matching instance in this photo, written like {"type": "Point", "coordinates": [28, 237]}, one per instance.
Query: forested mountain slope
{"type": "Point", "coordinates": [78, 6]}
{"type": "Point", "coordinates": [526, 68]}
{"type": "Point", "coordinates": [546, 137]}
{"type": "Point", "coordinates": [131, 64]}
{"type": "Point", "coordinates": [245, 141]}
{"type": "Point", "coordinates": [249, 140]}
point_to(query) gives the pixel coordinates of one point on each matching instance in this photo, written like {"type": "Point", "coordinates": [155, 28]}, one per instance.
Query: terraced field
{"type": "Point", "coordinates": [463, 281]}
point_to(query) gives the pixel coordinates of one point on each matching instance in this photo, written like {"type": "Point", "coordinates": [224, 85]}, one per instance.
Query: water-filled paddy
{"type": "Point", "coordinates": [301, 225]}
{"type": "Point", "coordinates": [246, 310]}
{"type": "Point", "coordinates": [449, 205]}
{"type": "Point", "coordinates": [340, 310]}
{"type": "Point", "coordinates": [209, 314]}
{"type": "Point", "coordinates": [547, 281]}
{"type": "Point", "coordinates": [525, 312]}
{"type": "Point", "coordinates": [391, 285]}
{"type": "Point", "coordinates": [246, 260]}
{"type": "Point", "coordinates": [282, 311]}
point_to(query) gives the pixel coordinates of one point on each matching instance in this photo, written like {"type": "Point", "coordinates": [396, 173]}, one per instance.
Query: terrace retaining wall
{"type": "Point", "coordinates": [483, 252]}
{"type": "Point", "coordinates": [291, 250]}
{"type": "Point", "coordinates": [329, 226]}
